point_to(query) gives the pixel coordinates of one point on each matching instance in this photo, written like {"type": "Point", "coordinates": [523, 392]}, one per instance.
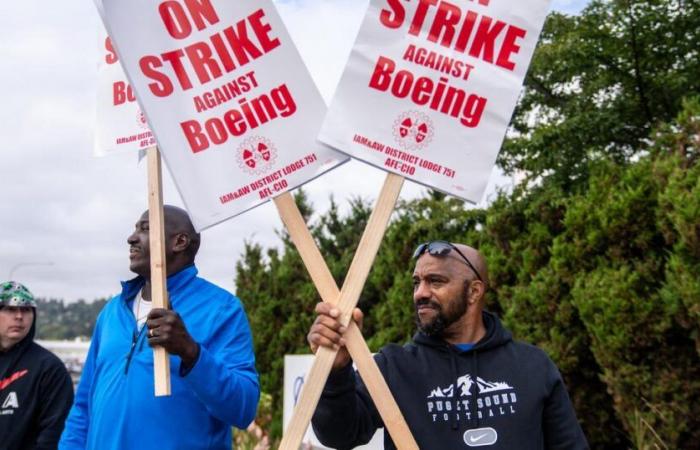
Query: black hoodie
{"type": "Point", "coordinates": [36, 393]}
{"type": "Point", "coordinates": [501, 394]}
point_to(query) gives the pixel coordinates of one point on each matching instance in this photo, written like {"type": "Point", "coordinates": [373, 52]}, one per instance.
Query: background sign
{"type": "Point", "coordinates": [121, 125]}
{"type": "Point", "coordinates": [430, 88]}
{"type": "Point", "coordinates": [296, 370]}
{"type": "Point", "coordinates": [232, 106]}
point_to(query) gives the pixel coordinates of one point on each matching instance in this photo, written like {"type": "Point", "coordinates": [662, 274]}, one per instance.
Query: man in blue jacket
{"type": "Point", "coordinates": [463, 382]}
{"type": "Point", "coordinates": [213, 379]}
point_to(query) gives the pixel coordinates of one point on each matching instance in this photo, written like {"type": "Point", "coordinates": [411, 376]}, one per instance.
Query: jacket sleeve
{"type": "Point", "coordinates": [74, 435]}
{"type": "Point", "coordinates": [224, 376]}
{"type": "Point", "coordinates": [346, 416]}
{"type": "Point", "coordinates": [56, 399]}
{"type": "Point", "coordinates": [561, 428]}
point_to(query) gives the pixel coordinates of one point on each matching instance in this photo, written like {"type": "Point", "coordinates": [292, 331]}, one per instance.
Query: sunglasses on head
{"type": "Point", "coordinates": [443, 248]}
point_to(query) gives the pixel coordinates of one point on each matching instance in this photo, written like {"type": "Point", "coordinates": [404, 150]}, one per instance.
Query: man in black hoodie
{"type": "Point", "coordinates": [36, 391]}
{"type": "Point", "coordinates": [463, 382]}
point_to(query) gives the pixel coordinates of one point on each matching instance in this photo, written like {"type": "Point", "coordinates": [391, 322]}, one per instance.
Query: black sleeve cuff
{"type": "Point", "coordinates": [340, 382]}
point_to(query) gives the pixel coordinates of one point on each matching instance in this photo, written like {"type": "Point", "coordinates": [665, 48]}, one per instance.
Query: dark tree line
{"type": "Point", "coordinates": [59, 320]}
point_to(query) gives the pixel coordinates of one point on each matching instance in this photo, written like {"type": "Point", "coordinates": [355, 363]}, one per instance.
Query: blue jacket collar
{"type": "Point", "coordinates": [175, 281]}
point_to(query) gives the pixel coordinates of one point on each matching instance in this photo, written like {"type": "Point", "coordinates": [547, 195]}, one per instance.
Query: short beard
{"type": "Point", "coordinates": [434, 328]}
{"type": "Point", "coordinates": [456, 309]}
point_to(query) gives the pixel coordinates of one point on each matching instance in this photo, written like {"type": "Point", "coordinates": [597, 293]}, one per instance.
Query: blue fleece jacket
{"type": "Point", "coordinates": [115, 407]}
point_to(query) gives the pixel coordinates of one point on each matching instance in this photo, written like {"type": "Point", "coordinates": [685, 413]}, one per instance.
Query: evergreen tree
{"type": "Point", "coordinates": [599, 82]}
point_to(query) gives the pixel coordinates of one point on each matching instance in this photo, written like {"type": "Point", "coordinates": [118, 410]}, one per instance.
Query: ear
{"type": "Point", "coordinates": [476, 291]}
{"type": "Point", "coordinates": [181, 242]}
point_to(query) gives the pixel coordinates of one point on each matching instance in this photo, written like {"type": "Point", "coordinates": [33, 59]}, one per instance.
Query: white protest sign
{"type": "Point", "coordinates": [430, 88]}
{"type": "Point", "coordinates": [296, 371]}
{"type": "Point", "coordinates": [121, 125]}
{"type": "Point", "coordinates": [234, 110]}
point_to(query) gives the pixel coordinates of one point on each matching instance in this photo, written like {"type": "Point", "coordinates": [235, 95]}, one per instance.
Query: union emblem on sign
{"type": "Point", "coordinates": [256, 155]}
{"type": "Point", "coordinates": [413, 130]}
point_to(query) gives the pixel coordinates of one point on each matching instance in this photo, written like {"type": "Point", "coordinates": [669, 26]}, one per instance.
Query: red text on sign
{"type": "Point", "coordinates": [111, 56]}
{"type": "Point", "coordinates": [438, 96]}
{"type": "Point", "coordinates": [122, 93]}
{"type": "Point", "coordinates": [438, 62]}
{"type": "Point", "coordinates": [225, 51]}
{"type": "Point", "coordinates": [178, 23]}
{"type": "Point", "coordinates": [399, 166]}
{"type": "Point", "coordinates": [225, 92]}
{"type": "Point", "coordinates": [480, 36]}
{"type": "Point", "coordinates": [236, 122]}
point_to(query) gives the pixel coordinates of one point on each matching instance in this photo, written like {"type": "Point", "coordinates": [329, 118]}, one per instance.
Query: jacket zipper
{"type": "Point", "coordinates": [134, 340]}
{"type": "Point", "coordinates": [131, 353]}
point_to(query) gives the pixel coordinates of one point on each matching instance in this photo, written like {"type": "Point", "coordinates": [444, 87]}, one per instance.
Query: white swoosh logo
{"type": "Point", "coordinates": [477, 439]}
{"type": "Point", "coordinates": [480, 437]}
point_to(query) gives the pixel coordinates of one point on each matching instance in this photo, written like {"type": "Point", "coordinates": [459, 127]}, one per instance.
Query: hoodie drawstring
{"type": "Point", "coordinates": [474, 411]}
{"type": "Point", "coordinates": [455, 375]}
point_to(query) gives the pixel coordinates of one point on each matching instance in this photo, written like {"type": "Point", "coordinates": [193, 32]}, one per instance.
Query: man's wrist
{"type": "Point", "coordinates": [189, 358]}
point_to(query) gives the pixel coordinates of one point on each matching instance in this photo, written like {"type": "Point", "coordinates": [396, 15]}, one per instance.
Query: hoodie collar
{"type": "Point", "coordinates": [495, 336]}
{"type": "Point", "coordinates": [174, 282]}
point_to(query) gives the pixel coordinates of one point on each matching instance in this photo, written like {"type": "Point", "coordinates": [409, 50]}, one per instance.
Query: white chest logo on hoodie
{"type": "Point", "coordinates": [493, 398]}
{"type": "Point", "coordinates": [11, 401]}
{"type": "Point", "coordinates": [465, 384]}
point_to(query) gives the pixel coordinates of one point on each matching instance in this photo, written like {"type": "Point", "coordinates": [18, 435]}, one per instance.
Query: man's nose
{"type": "Point", "coordinates": [132, 239]}
{"type": "Point", "coordinates": [421, 291]}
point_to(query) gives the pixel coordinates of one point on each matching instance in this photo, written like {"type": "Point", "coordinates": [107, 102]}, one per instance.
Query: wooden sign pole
{"type": "Point", "coordinates": [345, 300]}
{"type": "Point", "coordinates": [159, 292]}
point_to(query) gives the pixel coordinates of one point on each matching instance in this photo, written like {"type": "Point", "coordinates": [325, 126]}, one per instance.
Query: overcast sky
{"type": "Point", "coordinates": [65, 214]}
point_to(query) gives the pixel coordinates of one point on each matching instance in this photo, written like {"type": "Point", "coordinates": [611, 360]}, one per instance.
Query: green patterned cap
{"type": "Point", "coordinates": [15, 294]}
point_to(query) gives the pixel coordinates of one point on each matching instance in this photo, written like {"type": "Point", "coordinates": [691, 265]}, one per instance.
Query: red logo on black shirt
{"type": "Point", "coordinates": [12, 378]}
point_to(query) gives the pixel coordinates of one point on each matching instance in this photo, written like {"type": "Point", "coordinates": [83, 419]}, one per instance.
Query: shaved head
{"type": "Point", "coordinates": [476, 258]}
{"type": "Point", "coordinates": [177, 221]}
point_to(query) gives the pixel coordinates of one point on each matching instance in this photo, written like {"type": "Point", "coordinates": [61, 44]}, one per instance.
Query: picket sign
{"type": "Point", "coordinates": [120, 125]}
{"type": "Point", "coordinates": [233, 129]}
{"type": "Point", "coordinates": [430, 88]}
{"type": "Point", "coordinates": [156, 236]}
{"type": "Point", "coordinates": [345, 300]}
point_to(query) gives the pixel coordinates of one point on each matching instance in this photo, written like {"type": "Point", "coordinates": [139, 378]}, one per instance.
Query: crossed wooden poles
{"type": "Point", "coordinates": [345, 300]}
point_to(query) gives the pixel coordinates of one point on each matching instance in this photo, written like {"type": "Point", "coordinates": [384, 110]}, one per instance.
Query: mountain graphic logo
{"type": "Point", "coordinates": [465, 385]}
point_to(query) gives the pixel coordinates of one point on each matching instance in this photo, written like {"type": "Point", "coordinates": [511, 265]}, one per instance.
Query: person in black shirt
{"type": "Point", "coordinates": [36, 391]}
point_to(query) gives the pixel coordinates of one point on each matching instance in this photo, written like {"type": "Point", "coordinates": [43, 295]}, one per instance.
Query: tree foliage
{"type": "Point", "coordinates": [58, 320]}
{"type": "Point", "coordinates": [600, 82]}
